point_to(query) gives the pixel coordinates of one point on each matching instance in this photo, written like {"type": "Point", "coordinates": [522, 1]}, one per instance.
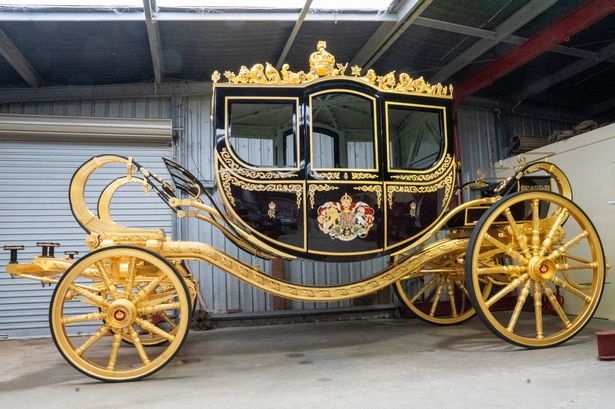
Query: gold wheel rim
{"type": "Point", "coordinates": [149, 274]}
{"type": "Point", "coordinates": [538, 246]}
{"type": "Point", "coordinates": [447, 283]}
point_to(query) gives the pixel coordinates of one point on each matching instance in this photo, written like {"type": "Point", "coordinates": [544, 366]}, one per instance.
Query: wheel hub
{"type": "Point", "coordinates": [542, 269]}
{"type": "Point", "coordinates": [121, 314]}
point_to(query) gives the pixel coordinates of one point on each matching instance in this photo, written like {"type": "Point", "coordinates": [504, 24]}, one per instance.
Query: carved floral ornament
{"type": "Point", "coordinates": [323, 65]}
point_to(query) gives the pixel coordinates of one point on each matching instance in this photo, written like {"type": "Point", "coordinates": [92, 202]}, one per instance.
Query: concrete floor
{"type": "Point", "coordinates": [382, 363]}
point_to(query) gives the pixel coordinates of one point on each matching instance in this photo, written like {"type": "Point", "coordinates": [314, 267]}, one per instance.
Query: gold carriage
{"type": "Point", "coordinates": [330, 164]}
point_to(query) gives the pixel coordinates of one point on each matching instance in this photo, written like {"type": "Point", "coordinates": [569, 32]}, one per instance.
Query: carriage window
{"type": "Point", "coordinates": [416, 137]}
{"type": "Point", "coordinates": [342, 131]}
{"type": "Point", "coordinates": [262, 133]}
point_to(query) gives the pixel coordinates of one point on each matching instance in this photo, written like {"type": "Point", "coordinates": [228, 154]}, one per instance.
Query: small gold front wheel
{"type": "Point", "coordinates": [123, 287]}
{"type": "Point", "coordinates": [436, 291]}
{"type": "Point", "coordinates": [534, 246]}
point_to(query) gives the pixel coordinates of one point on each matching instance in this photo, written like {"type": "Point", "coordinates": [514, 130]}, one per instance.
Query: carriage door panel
{"type": "Point", "coordinates": [344, 205]}
{"type": "Point", "coordinates": [420, 174]}
{"type": "Point", "coordinates": [260, 171]}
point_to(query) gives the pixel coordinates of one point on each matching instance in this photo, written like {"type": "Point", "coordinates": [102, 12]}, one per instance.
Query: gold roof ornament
{"type": "Point", "coordinates": [323, 65]}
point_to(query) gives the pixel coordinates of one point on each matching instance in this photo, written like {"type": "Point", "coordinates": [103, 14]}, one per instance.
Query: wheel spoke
{"type": "Point", "coordinates": [138, 346]}
{"type": "Point", "coordinates": [107, 280]}
{"type": "Point", "coordinates": [423, 289]}
{"type": "Point", "coordinates": [148, 326]}
{"type": "Point", "coordinates": [535, 226]}
{"type": "Point", "coordinates": [436, 297]}
{"type": "Point", "coordinates": [168, 320]}
{"type": "Point", "coordinates": [582, 266]}
{"type": "Point", "coordinates": [561, 283]}
{"type": "Point", "coordinates": [130, 282]}
{"type": "Point", "coordinates": [102, 331]}
{"type": "Point", "coordinates": [510, 287]}
{"type": "Point", "coordinates": [514, 270]}
{"type": "Point", "coordinates": [538, 309]}
{"type": "Point", "coordinates": [158, 308]}
{"type": "Point", "coordinates": [159, 298]}
{"type": "Point", "coordinates": [115, 347]}
{"type": "Point", "coordinates": [548, 240]}
{"type": "Point", "coordinates": [506, 249]}
{"type": "Point", "coordinates": [149, 288]}
{"type": "Point", "coordinates": [521, 239]}
{"type": "Point", "coordinates": [451, 297]}
{"type": "Point", "coordinates": [561, 250]}
{"type": "Point", "coordinates": [95, 298]}
{"type": "Point", "coordinates": [462, 288]}
{"type": "Point", "coordinates": [525, 291]}
{"type": "Point", "coordinates": [556, 307]}
{"type": "Point", "coordinates": [96, 316]}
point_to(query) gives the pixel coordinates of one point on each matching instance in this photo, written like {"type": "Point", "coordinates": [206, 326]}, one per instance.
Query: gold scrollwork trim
{"type": "Point", "coordinates": [372, 188]}
{"type": "Point", "coordinates": [323, 65]}
{"type": "Point", "coordinates": [363, 175]}
{"type": "Point", "coordinates": [228, 180]}
{"type": "Point", "coordinates": [228, 161]}
{"type": "Point", "coordinates": [318, 188]}
{"type": "Point", "coordinates": [326, 175]}
{"type": "Point", "coordinates": [426, 177]}
{"type": "Point", "coordinates": [446, 183]}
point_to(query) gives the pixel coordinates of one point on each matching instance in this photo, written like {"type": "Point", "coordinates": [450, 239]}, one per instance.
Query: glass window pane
{"type": "Point", "coordinates": [342, 131]}
{"type": "Point", "coordinates": [262, 133]}
{"type": "Point", "coordinates": [416, 137]}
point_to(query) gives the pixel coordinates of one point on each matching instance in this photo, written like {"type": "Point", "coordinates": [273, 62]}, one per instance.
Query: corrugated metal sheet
{"type": "Point", "coordinates": [477, 137]}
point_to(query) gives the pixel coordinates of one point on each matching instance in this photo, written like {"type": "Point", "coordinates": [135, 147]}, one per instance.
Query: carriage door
{"type": "Point", "coordinates": [344, 184]}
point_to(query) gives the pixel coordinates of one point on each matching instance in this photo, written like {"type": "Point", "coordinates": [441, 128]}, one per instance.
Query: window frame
{"type": "Point", "coordinates": [444, 146]}
{"type": "Point", "coordinates": [296, 126]}
{"type": "Point", "coordinates": [376, 167]}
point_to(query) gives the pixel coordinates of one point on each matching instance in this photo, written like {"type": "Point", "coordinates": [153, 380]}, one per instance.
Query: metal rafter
{"type": "Point", "coordinates": [505, 29]}
{"type": "Point", "coordinates": [575, 22]}
{"type": "Point", "coordinates": [544, 83]}
{"type": "Point", "coordinates": [153, 35]}
{"type": "Point", "coordinates": [293, 33]}
{"type": "Point", "coordinates": [491, 35]}
{"type": "Point", "coordinates": [389, 32]}
{"type": "Point", "coordinates": [17, 60]}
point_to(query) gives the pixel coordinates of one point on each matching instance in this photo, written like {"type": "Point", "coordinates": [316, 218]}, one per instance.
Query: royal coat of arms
{"type": "Point", "coordinates": [345, 220]}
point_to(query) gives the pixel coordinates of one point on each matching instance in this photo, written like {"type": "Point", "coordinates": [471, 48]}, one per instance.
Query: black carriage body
{"type": "Point", "coordinates": [331, 202]}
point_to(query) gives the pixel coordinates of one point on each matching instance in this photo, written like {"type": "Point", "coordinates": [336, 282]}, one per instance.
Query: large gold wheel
{"type": "Point", "coordinates": [124, 287]}
{"type": "Point", "coordinates": [546, 244]}
{"type": "Point", "coordinates": [436, 291]}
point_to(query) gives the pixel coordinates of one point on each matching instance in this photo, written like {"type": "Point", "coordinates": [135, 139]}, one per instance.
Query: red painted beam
{"type": "Point", "coordinates": [558, 32]}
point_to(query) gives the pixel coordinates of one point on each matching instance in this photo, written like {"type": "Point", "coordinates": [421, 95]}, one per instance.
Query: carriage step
{"type": "Point", "coordinates": [14, 249]}
{"type": "Point", "coordinates": [48, 248]}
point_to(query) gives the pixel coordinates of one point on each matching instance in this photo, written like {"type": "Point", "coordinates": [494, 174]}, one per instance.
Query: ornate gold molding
{"type": "Point", "coordinates": [318, 188]}
{"type": "Point", "coordinates": [363, 175]}
{"type": "Point", "coordinates": [228, 180]}
{"type": "Point", "coordinates": [446, 183]}
{"type": "Point", "coordinates": [372, 188]}
{"type": "Point", "coordinates": [323, 65]}
{"type": "Point", "coordinates": [228, 161]}
{"type": "Point", "coordinates": [326, 175]}
{"type": "Point", "coordinates": [426, 177]}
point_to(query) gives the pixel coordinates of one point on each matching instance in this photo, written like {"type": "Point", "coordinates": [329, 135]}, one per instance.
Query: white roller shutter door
{"type": "Point", "coordinates": [34, 206]}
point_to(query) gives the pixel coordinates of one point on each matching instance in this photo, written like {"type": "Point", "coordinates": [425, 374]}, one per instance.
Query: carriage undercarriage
{"type": "Point", "coordinates": [511, 257]}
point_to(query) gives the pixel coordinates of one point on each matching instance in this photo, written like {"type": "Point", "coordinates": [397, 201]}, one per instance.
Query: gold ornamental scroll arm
{"type": "Point", "coordinates": [105, 229]}
{"type": "Point", "coordinates": [182, 250]}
